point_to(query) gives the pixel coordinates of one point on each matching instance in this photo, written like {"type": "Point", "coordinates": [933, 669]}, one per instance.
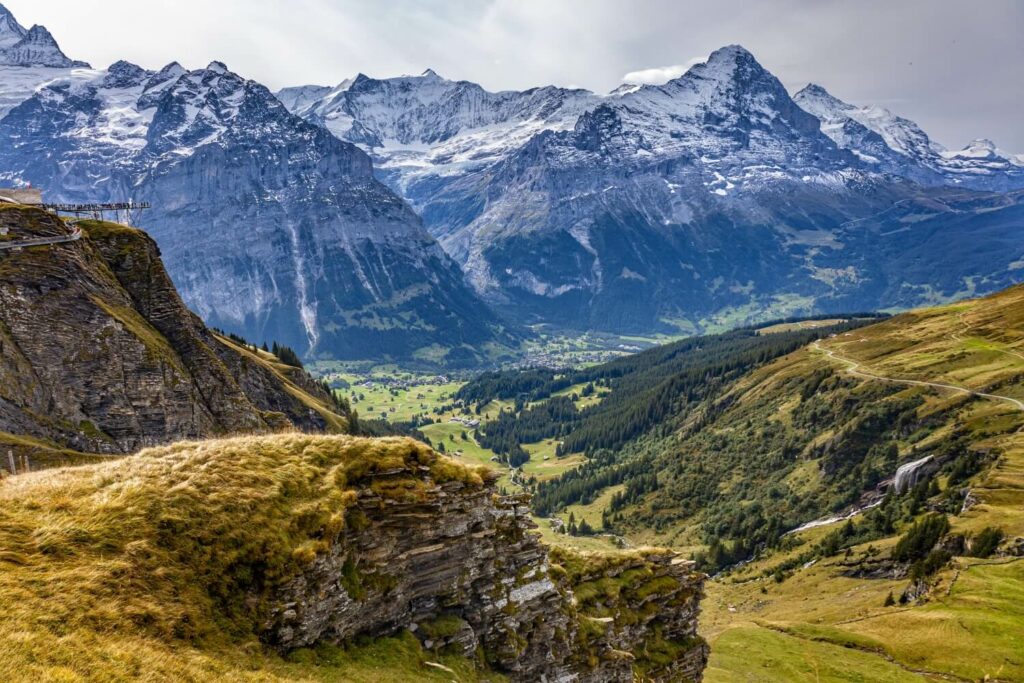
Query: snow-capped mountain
{"type": "Point", "coordinates": [708, 200]}
{"type": "Point", "coordinates": [28, 60]}
{"type": "Point", "coordinates": [30, 47]}
{"type": "Point", "coordinates": [420, 127]}
{"type": "Point", "coordinates": [270, 226]}
{"type": "Point", "coordinates": [897, 145]}
{"type": "Point", "coordinates": [715, 194]}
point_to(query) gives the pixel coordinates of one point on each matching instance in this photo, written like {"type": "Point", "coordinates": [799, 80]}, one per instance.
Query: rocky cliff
{"type": "Point", "coordinates": [33, 47]}
{"type": "Point", "coordinates": [98, 354]}
{"type": "Point", "coordinates": [460, 567]}
{"type": "Point", "coordinates": [310, 542]}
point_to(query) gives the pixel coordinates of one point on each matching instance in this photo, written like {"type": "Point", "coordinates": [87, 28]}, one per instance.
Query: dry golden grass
{"type": "Point", "coordinates": [158, 566]}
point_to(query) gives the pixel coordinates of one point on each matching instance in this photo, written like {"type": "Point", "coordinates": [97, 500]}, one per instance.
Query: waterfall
{"type": "Point", "coordinates": [307, 309]}
{"type": "Point", "coordinates": [907, 475]}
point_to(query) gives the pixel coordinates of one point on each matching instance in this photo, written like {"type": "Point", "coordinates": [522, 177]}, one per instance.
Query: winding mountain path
{"type": "Point", "coordinates": [857, 368]}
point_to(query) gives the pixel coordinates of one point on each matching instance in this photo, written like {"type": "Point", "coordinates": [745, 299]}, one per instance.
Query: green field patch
{"type": "Point", "coordinates": [753, 654]}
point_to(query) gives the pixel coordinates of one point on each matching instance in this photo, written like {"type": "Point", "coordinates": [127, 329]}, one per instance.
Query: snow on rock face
{"type": "Point", "coordinates": [617, 211]}
{"type": "Point", "coordinates": [17, 83]}
{"type": "Point", "coordinates": [899, 146]}
{"type": "Point", "coordinates": [419, 127]}
{"type": "Point", "coordinates": [269, 225]}
{"type": "Point", "coordinates": [37, 48]}
{"type": "Point", "coordinates": [298, 98]}
{"type": "Point", "coordinates": [11, 32]}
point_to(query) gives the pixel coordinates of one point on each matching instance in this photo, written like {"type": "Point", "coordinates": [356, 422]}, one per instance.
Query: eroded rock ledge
{"type": "Point", "coordinates": [461, 568]}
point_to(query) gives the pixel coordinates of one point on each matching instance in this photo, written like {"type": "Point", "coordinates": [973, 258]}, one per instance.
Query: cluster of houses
{"type": "Point", "coordinates": [402, 384]}
{"type": "Point", "coordinates": [564, 361]}
{"type": "Point", "coordinates": [465, 421]}
{"type": "Point", "coordinates": [389, 382]}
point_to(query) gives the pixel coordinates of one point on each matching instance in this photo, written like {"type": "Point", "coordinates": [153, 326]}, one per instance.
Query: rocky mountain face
{"type": "Point", "coordinates": [462, 569]}
{"type": "Point", "coordinates": [705, 202]}
{"type": "Point", "coordinates": [422, 127]}
{"type": "Point", "coordinates": [700, 202]}
{"type": "Point", "coordinates": [270, 226]}
{"type": "Point", "coordinates": [98, 353]}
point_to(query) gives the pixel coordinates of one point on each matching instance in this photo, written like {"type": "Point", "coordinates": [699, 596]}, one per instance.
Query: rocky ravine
{"type": "Point", "coordinates": [460, 567]}
{"type": "Point", "coordinates": [98, 353]}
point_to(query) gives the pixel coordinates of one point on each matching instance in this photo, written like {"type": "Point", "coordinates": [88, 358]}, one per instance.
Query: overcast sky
{"type": "Point", "coordinates": [955, 67]}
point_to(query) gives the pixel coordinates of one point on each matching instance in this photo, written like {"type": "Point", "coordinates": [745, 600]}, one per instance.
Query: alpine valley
{"type": "Point", "coordinates": [405, 380]}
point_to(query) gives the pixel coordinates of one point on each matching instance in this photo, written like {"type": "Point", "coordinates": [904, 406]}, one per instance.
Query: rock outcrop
{"type": "Point", "coordinates": [461, 568]}
{"type": "Point", "coordinates": [247, 551]}
{"type": "Point", "coordinates": [98, 354]}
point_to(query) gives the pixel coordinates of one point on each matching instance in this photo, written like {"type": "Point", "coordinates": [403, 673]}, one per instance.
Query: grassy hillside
{"type": "Point", "coordinates": [818, 433]}
{"type": "Point", "coordinates": [155, 566]}
{"type": "Point", "coordinates": [818, 624]}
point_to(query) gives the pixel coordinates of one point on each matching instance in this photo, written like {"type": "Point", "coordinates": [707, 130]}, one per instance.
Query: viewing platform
{"type": "Point", "coordinates": [73, 213]}
{"type": "Point", "coordinates": [98, 211]}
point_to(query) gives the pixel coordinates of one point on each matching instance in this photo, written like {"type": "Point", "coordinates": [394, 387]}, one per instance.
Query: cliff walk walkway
{"type": "Point", "coordinates": [79, 211]}
{"type": "Point", "coordinates": [12, 245]}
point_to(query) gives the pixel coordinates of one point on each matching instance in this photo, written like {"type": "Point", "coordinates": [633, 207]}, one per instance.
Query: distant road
{"type": "Point", "coordinates": [855, 368]}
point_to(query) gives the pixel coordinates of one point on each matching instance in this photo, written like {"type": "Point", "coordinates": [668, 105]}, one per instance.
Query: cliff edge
{"type": "Point", "coordinates": [237, 559]}
{"type": "Point", "coordinates": [98, 354]}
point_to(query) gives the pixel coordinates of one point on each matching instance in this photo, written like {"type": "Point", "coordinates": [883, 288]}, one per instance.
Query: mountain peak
{"type": "Point", "coordinates": [981, 143]}
{"type": "Point", "coordinates": [36, 47]}
{"type": "Point", "coordinates": [730, 63]}
{"type": "Point", "coordinates": [217, 67]}
{"type": "Point", "coordinates": [123, 74]}
{"type": "Point", "coordinates": [731, 53]}
{"type": "Point", "coordinates": [728, 59]}
{"type": "Point", "coordinates": [979, 148]}
{"type": "Point", "coordinates": [10, 30]}
{"type": "Point", "coordinates": [172, 69]}
{"type": "Point", "coordinates": [820, 102]}
{"type": "Point", "coordinates": [429, 73]}
{"type": "Point", "coordinates": [818, 92]}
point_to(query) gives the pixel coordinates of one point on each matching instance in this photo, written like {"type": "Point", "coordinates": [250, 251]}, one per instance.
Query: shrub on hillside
{"type": "Point", "coordinates": [287, 355]}
{"type": "Point", "coordinates": [986, 542]}
{"type": "Point", "coordinates": [919, 540]}
{"type": "Point", "coordinates": [935, 561]}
